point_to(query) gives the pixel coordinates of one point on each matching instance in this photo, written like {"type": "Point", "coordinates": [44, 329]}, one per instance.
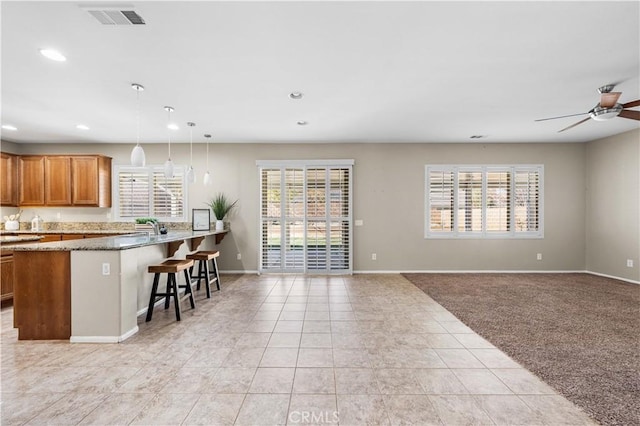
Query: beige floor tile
{"type": "Point", "coordinates": [521, 381]}
{"type": "Point", "coordinates": [148, 380]}
{"type": "Point", "coordinates": [398, 381]}
{"type": "Point", "coordinates": [118, 409]}
{"type": "Point", "coordinates": [508, 410]}
{"type": "Point", "coordinates": [456, 327]}
{"type": "Point", "coordinates": [345, 327]}
{"type": "Point", "coordinates": [215, 409]}
{"type": "Point", "coordinates": [232, 380]}
{"type": "Point", "coordinates": [19, 408]}
{"type": "Point", "coordinates": [272, 380]}
{"type": "Point", "coordinates": [68, 410]}
{"type": "Point", "coordinates": [285, 340]}
{"type": "Point", "coordinates": [191, 380]}
{"type": "Point", "coordinates": [106, 380]}
{"type": "Point", "coordinates": [459, 410]}
{"type": "Point", "coordinates": [315, 357]}
{"type": "Point", "coordinates": [279, 357]}
{"type": "Point", "coordinates": [317, 316]}
{"type": "Point", "coordinates": [243, 357]}
{"type": "Point", "coordinates": [170, 408]}
{"type": "Point", "coordinates": [442, 341]}
{"type": "Point", "coordinates": [351, 358]}
{"type": "Point", "coordinates": [263, 409]}
{"type": "Point", "coordinates": [261, 326]}
{"type": "Point", "coordinates": [253, 340]}
{"type": "Point", "coordinates": [473, 341]}
{"type": "Point", "coordinates": [316, 340]}
{"type": "Point", "coordinates": [288, 327]}
{"type": "Point", "coordinates": [362, 410]}
{"type": "Point", "coordinates": [411, 410]}
{"type": "Point", "coordinates": [356, 381]}
{"type": "Point", "coordinates": [314, 381]}
{"type": "Point", "coordinates": [459, 358]}
{"type": "Point", "coordinates": [494, 358]}
{"type": "Point", "coordinates": [294, 307]}
{"type": "Point", "coordinates": [556, 410]}
{"type": "Point", "coordinates": [292, 316]}
{"type": "Point", "coordinates": [318, 304]}
{"type": "Point", "coordinates": [316, 327]}
{"type": "Point", "coordinates": [439, 381]}
{"type": "Point", "coordinates": [208, 357]}
{"type": "Point", "coordinates": [481, 381]}
{"type": "Point", "coordinates": [346, 340]}
{"type": "Point", "coordinates": [313, 409]}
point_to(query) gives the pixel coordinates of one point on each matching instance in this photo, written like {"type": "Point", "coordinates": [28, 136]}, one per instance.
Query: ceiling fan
{"type": "Point", "coordinates": [607, 108]}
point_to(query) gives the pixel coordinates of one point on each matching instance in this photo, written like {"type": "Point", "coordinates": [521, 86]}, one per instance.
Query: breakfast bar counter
{"type": "Point", "coordinates": [92, 290]}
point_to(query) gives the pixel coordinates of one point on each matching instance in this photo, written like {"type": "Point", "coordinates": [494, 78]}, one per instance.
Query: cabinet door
{"type": "Point", "coordinates": [6, 270]}
{"type": "Point", "coordinates": [84, 172]}
{"type": "Point", "coordinates": [9, 180]}
{"type": "Point", "coordinates": [31, 187]}
{"type": "Point", "coordinates": [58, 181]}
{"type": "Point", "coordinates": [46, 238]}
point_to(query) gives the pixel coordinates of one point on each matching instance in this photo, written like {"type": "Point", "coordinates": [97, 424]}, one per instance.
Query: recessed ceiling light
{"type": "Point", "coordinates": [82, 127]}
{"type": "Point", "coordinates": [54, 55]}
{"type": "Point", "coordinates": [172, 126]}
{"type": "Point", "coordinates": [302, 123]}
{"type": "Point", "coordinates": [295, 95]}
{"type": "Point", "coordinates": [9, 127]}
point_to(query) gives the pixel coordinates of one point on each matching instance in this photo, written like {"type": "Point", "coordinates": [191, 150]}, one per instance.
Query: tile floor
{"type": "Point", "coordinates": [267, 350]}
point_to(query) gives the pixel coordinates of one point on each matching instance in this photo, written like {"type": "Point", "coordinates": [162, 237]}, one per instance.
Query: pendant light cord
{"type": "Point", "coordinates": [137, 116]}
{"type": "Point", "coordinates": [169, 122]}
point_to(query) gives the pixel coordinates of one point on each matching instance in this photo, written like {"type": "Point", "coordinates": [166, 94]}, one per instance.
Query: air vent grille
{"type": "Point", "coordinates": [117, 17]}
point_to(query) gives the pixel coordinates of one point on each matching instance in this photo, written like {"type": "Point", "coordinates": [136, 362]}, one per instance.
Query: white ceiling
{"type": "Point", "coordinates": [369, 71]}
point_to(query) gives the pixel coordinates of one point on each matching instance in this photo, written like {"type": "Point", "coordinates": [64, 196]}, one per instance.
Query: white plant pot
{"type": "Point", "coordinates": [11, 225]}
{"type": "Point", "coordinates": [219, 225]}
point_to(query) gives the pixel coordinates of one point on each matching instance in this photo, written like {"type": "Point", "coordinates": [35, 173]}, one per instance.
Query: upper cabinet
{"type": "Point", "coordinates": [8, 180]}
{"type": "Point", "coordinates": [65, 180]}
{"type": "Point", "coordinates": [31, 180]}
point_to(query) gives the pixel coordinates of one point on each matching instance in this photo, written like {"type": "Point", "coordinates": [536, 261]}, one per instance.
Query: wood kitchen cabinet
{"type": "Point", "coordinates": [6, 275]}
{"type": "Point", "coordinates": [31, 176]}
{"type": "Point", "coordinates": [57, 181]}
{"type": "Point", "coordinates": [9, 179]}
{"type": "Point", "coordinates": [65, 180]}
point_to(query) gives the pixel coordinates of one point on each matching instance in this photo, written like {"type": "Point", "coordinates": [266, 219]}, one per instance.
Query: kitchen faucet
{"type": "Point", "coordinates": [156, 228]}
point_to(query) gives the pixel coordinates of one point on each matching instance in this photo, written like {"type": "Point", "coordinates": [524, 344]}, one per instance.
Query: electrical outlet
{"type": "Point", "coordinates": [106, 269]}
{"type": "Point", "coordinates": [374, 256]}
{"type": "Point", "coordinates": [359, 222]}
{"type": "Point", "coordinates": [629, 263]}
{"type": "Point", "coordinates": [58, 215]}
{"type": "Point", "coordinates": [239, 256]}
{"type": "Point", "coordinates": [539, 256]}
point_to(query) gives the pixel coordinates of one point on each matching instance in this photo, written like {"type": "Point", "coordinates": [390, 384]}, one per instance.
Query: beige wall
{"type": "Point", "coordinates": [613, 205]}
{"type": "Point", "coordinates": [388, 197]}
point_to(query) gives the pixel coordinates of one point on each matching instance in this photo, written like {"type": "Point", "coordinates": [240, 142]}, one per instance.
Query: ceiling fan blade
{"type": "Point", "coordinates": [609, 100]}
{"type": "Point", "coordinates": [575, 124]}
{"type": "Point", "coordinates": [561, 116]}
{"type": "Point", "coordinates": [627, 113]}
{"type": "Point", "coordinates": [631, 104]}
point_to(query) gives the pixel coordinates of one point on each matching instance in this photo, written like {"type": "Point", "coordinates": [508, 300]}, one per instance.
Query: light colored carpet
{"type": "Point", "coordinates": [580, 333]}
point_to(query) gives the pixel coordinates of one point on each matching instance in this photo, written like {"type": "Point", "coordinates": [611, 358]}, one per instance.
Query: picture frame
{"type": "Point", "coordinates": [201, 219]}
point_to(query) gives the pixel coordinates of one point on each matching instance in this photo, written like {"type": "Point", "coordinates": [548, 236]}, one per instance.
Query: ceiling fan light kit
{"type": "Point", "coordinates": [607, 108]}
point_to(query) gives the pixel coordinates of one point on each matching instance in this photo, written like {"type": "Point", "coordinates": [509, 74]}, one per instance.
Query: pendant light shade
{"type": "Point", "coordinates": [138, 158]}
{"type": "Point", "coordinates": [168, 165]}
{"type": "Point", "coordinates": [191, 173]}
{"type": "Point", "coordinates": [207, 176]}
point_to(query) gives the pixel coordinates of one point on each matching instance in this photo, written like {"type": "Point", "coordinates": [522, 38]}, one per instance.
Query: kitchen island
{"type": "Point", "coordinates": [92, 290]}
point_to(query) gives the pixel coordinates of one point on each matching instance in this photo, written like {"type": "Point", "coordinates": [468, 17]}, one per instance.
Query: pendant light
{"type": "Point", "coordinates": [207, 175]}
{"type": "Point", "coordinates": [168, 165]}
{"type": "Point", "coordinates": [191, 174]}
{"type": "Point", "coordinates": [137, 154]}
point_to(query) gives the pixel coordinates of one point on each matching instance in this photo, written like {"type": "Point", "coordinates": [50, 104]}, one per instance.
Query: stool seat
{"type": "Point", "coordinates": [203, 255]}
{"type": "Point", "coordinates": [171, 266]}
{"type": "Point", "coordinates": [209, 275]}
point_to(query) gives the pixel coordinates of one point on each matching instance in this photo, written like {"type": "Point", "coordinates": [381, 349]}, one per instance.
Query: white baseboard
{"type": "Point", "coordinates": [104, 339]}
{"type": "Point", "coordinates": [482, 271]}
{"type": "Point", "coordinates": [613, 277]}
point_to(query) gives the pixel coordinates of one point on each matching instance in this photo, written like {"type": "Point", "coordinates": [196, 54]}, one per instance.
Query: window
{"type": "Point", "coordinates": [483, 201]}
{"type": "Point", "coordinates": [306, 216]}
{"type": "Point", "coordinates": [145, 192]}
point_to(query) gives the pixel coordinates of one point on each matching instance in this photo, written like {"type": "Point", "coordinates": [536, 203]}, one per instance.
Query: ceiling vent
{"type": "Point", "coordinates": [115, 15]}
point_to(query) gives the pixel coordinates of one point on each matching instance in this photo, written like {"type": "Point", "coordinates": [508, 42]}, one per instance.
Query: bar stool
{"type": "Point", "coordinates": [204, 273]}
{"type": "Point", "coordinates": [171, 267]}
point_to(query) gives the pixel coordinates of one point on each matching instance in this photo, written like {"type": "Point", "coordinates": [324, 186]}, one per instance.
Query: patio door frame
{"type": "Point", "coordinates": [304, 166]}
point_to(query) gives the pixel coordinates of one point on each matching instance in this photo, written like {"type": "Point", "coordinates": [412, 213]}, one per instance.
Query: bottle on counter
{"type": "Point", "coordinates": [36, 223]}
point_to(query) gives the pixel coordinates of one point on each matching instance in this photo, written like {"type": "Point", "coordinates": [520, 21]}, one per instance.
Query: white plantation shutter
{"type": "Point", "coordinates": [315, 213]}
{"type": "Point", "coordinates": [491, 201]}
{"type": "Point", "coordinates": [145, 192]}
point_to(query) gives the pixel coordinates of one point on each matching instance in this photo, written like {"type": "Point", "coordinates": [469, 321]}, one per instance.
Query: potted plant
{"type": "Point", "coordinates": [221, 206]}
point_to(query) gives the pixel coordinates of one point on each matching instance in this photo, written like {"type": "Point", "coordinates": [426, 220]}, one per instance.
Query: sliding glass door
{"type": "Point", "coordinates": [306, 220]}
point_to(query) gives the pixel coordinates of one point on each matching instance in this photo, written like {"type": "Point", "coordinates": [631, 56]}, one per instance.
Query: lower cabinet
{"type": "Point", "coordinates": [6, 272]}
